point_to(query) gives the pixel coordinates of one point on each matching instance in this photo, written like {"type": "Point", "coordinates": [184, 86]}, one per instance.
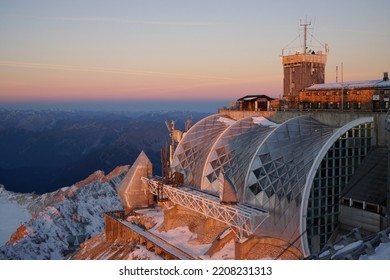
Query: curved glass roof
{"type": "Point", "coordinates": [232, 152]}
{"type": "Point", "coordinates": [191, 153]}
{"type": "Point", "coordinates": [268, 165]}
{"type": "Point", "coordinates": [278, 173]}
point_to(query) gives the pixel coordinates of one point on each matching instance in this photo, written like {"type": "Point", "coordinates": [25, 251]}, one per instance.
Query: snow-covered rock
{"type": "Point", "coordinates": [12, 215]}
{"type": "Point", "coordinates": [73, 214]}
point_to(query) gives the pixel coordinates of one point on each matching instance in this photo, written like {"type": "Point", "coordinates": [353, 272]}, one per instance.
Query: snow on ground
{"type": "Point", "coordinates": [226, 253]}
{"type": "Point", "coordinates": [382, 252]}
{"type": "Point", "coordinates": [156, 213]}
{"type": "Point", "coordinates": [141, 253]}
{"type": "Point", "coordinates": [12, 216]}
{"type": "Point", "coordinates": [181, 238]}
{"type": "Point", "coordinates": [348, 247]}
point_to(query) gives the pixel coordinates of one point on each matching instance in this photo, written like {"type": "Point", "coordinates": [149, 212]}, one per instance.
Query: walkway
{"type": "Point", "coordinates": [242, 217]}
{"type": "Point", "coordinates": [119, 229]}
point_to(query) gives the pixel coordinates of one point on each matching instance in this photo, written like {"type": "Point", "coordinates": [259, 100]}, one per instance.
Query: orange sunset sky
{"type": "Point", "coordinates": [182, 50]}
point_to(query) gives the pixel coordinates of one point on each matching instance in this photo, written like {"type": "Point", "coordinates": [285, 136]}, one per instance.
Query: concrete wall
{"type": "Point", "coordinates": [332, 118]}
{"type": "Point", "coordinates": [242, 248]}
{"type": "Point", "coordinates": [353, 217]}
{"type": "Point", "coordinates": [116, 230]}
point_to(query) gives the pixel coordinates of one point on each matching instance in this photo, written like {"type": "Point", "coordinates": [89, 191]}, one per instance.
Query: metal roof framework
{"type": "Point", "coordinates": [243, 218]}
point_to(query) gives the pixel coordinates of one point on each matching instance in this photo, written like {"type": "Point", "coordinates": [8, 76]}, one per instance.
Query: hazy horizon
{"type": "Point", "coordinates": [203, 106]}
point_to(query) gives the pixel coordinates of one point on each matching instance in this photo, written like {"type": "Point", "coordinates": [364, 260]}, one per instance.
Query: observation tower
{"type": "Point", "coordinates": [303, 66]}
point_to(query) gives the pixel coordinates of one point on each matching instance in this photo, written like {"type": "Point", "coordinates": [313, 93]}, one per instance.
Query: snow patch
{"type": "Point", "coordinates": [382, 252]}
{"type": "Point", "coordinates": [12, 216]}
{"type": "Point", "coordinates": [181, 237]}
{"type": "Point", "coordinates": [348, 247]}
{"type": "Point", "coordinates": [351, 85]}
{"type": "Point", "coordinates": [264, 122]}
{"type": "Point", "coordinates": [227, 121]}
{"type": "Point", "coordinates": [226, 253]}
{"type": "Point", "coordinates": [141, 253]}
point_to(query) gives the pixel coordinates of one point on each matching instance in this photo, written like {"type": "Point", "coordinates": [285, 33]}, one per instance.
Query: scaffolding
{"type": "Point", "coordinates": [242, 218]}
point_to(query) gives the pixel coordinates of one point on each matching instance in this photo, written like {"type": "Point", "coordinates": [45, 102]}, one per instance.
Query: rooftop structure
{"type": "Point", "coordinates": [132, 190]}
{"type": "Point", "coordinates": [365, 95]}
{"type": "Point", "coordinates": [350, 85]}
{"type": "Point", "coordinates": [303, 67]}
{"type": "Point", "coordinates": [254, 102]}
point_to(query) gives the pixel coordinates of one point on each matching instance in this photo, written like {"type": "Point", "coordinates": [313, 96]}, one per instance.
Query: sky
{"type": "Point", "coordinates": [132, 50]}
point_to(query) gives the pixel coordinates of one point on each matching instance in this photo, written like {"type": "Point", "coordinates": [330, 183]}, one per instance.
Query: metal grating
{"type": "Point", "coordinates": [242, 217]}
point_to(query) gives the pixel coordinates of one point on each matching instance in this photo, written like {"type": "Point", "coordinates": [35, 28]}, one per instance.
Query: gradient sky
{"type": "Point", "coordinates": [177, 49]}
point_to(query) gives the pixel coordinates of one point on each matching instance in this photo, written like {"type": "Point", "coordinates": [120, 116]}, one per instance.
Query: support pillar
{"type": "Point", "coordinates": [388, 173]}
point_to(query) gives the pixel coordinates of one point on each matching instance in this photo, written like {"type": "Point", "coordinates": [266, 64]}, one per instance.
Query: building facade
{"type": "Point", "coordinates": [370, 95]}
{"type": "Point", "coordinates": [301, 71]}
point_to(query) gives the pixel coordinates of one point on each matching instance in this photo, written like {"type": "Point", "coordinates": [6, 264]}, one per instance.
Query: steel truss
{"type": "Point", "coordinates": [240, 217]}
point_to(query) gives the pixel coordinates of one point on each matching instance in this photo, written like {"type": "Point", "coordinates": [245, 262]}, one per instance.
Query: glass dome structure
{"type": "Point", "coordinates": [191, 153]}
{"type": "Point", "coordinates": [271, 166]}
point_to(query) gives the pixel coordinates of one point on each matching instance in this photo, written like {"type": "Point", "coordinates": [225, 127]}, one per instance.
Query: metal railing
{"type": "Point", "coordinates": [243, 218]}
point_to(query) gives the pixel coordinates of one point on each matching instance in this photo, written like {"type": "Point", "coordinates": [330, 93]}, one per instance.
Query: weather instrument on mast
{"type": "Point", "coordinates": [175, 135]}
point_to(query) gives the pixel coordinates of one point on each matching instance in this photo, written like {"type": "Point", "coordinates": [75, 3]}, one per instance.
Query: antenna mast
{"type": "Point", "coordinates": [305, 25]}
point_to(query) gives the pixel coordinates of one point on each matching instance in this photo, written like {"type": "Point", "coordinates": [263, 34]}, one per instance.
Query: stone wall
{"type": "Point", "coordinates": [266, 247]}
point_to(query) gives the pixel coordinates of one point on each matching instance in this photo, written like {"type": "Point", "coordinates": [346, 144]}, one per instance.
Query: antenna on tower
{"type": "Point", "coordinates": [305, 25]}
{"type": "Point", "coordinates": [296, 65]}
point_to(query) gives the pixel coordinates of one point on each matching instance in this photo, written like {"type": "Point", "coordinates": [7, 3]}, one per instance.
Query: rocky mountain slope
{"type": "Point", "coordinates": [63, 218]}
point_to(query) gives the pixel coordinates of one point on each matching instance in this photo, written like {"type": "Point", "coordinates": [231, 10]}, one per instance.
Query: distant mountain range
{"type": "Point", "coordinates": [41, 151]}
